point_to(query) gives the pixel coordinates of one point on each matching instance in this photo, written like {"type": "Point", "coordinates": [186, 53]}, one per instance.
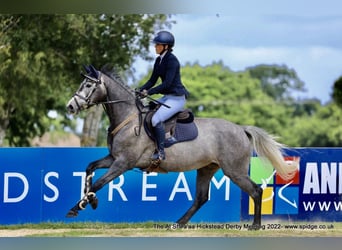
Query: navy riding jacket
{"type": "Point", "coordinates": [169, 72]}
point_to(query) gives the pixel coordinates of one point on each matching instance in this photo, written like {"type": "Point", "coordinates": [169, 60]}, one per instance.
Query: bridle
{"type": "Point", "coordinates": [90, 94]}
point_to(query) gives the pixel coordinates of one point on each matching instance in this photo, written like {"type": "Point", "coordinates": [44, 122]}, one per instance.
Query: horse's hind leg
{"type": "Point", "coordinates": [203, 178]}
{"type": "Point", "coordinates": [254, 191]}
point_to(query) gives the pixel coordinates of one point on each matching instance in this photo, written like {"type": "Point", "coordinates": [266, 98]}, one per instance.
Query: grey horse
{"type": "Point", "coordinates": [219, 144]}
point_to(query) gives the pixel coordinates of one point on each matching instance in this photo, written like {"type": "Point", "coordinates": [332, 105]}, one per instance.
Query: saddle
{"type": "Point", "coordinates": [178, 128]}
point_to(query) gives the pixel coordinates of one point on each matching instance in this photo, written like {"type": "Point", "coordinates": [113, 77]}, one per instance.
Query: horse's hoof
{"type": "Point", "coordinates": [71, 214]}
{"type": "Point", "coordinates": [181, 222]}
{"type": "Point", "coordinates": [94, 202]}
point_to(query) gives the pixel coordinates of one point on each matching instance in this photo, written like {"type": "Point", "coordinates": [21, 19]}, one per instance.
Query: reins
{"type": "Point", "coordinates": [110, 102]}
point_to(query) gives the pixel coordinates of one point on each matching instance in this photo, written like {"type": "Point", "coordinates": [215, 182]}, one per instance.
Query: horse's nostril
{"type": "Point", "coordinates": [70, 108]}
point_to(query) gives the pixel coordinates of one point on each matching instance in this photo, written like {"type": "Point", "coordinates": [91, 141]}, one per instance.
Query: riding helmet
{"type": "Point", "coordinates": [164, 37]}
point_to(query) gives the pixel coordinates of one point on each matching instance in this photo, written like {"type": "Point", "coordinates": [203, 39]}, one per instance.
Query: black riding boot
{"type": "Point", "coordinates": [159, 133]}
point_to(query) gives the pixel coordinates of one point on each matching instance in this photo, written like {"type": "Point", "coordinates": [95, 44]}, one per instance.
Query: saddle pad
{"type": "Point", "coordinates": [183, 132]}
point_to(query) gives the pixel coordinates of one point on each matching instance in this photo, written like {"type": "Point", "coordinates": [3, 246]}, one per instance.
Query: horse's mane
{"type": "Point", "coordinates": [113, 74]}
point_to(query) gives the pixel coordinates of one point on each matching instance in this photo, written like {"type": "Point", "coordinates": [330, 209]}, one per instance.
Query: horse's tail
{"type": "Point", "coordinates": [266, 146]}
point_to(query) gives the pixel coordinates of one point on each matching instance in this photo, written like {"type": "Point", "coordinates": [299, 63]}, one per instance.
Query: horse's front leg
{"type": "Point", "coordinates": [105, 162]}
{"type": "Point", "coordinates": [117, 168]}
{"type": "Point", "coordinates": [89, 197]}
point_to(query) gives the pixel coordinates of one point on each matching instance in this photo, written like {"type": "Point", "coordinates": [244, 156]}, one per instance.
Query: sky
{"type": "Point", "coordinates": [306, 39]}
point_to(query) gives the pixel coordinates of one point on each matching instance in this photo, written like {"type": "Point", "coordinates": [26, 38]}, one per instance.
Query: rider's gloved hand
{"type": "Point", "coordinates": [144, 93]}
{"type": "Point", "coordinates": [140, 93]}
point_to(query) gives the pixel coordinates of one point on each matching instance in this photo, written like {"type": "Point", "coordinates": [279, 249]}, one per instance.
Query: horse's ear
{"type": "Point", "coordinates": [93, 71]}
{"type": "Point", "coordinates": [86, 68]}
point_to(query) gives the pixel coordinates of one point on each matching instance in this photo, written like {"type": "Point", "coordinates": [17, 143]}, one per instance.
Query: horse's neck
{"type": "Point", "coordinates": [118, 112]}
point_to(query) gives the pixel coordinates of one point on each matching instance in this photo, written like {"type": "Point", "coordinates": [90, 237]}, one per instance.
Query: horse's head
{"type": "Point", "coordinates": [91, 91]}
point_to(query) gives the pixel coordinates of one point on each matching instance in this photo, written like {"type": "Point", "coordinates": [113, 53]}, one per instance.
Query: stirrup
{"type": "Point", "coordinates": [158, 155]}
{"type": "Point", "coordinates": [156, 160]}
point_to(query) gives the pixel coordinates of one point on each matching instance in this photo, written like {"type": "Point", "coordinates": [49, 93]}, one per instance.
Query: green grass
{"type": "Point", "coordinates": [76, 225]}
{"type": "Point", "coordinates": [152, 229]}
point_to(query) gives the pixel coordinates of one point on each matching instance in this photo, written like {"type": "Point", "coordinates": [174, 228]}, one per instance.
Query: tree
{"type": "Point", "coordinates": [321, 129]}
{"type": "Point", "coordinates": [41, 59]}
{"type": "Point", "coordinates": [216, 91]}
{"type": "Point", "coordinates": [277, 80]}
{"type": "Point", "coordinates": [337, 92]}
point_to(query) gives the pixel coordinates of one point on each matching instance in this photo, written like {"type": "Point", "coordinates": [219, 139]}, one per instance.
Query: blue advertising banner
{"type": "Point", "coordinates": [42, 184]}
{"type": "Point", "coordinates": [314, 194]}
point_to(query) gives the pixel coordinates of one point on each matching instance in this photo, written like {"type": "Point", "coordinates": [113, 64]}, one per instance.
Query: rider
{"type": "Point", "coordinates": [167, 67]}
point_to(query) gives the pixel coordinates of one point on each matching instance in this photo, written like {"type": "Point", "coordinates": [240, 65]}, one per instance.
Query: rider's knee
{"type": "Point", "coordinates": [156, 120]}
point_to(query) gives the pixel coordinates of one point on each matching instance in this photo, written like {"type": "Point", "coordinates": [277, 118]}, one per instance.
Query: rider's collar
{"type": "Point", "coordinates": [162, 55]}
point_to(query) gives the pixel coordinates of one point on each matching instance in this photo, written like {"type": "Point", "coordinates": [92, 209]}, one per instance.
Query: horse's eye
{"type": "Point", "coordinates": [88, 85]}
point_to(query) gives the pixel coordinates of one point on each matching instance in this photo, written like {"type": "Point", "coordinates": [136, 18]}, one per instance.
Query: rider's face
{"type": "Point", "coordinates": [159, 48]}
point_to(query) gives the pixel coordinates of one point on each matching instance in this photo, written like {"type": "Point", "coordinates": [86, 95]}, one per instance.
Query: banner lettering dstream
{"type": "Point", "coordinates": [42, 184]}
